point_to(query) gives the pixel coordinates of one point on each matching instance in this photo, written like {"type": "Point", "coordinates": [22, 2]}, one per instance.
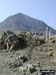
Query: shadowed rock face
{"type": "Point", "coordinates": [24, 22]}
{"type": "Point", "coordinates": [11, 41]}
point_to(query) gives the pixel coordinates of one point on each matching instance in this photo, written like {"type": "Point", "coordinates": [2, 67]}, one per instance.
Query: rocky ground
{"type": "Point", "coordinates": [39, 57]}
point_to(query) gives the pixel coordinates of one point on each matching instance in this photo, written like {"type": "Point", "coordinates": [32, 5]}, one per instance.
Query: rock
{"type": "Point", "coordinates": [12, 63]}
{"type": "Point", "coordinates": [22, 68]}
{"type": "Point", "coordinates": [11, 41]}
{"type": "Point", "coordinates": [50, 53]}
{"type": "Point", "coordinates": [24, 59]}
{"type": "Point", "coordinates": [31, 68]}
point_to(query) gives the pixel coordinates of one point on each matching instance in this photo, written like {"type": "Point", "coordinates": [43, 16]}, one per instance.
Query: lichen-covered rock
{"type": "Point", "coordinates": [13, 62]}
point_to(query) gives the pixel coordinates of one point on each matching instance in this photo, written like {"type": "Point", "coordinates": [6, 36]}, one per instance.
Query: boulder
{"type": "Point", "coordinates": [11, 41]}
{"type": "Point", "coordinates": [13, 62]}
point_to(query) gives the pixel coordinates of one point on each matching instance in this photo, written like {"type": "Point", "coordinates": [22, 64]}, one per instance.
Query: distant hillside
{"type": "Point", "coordinates": [24, 22]}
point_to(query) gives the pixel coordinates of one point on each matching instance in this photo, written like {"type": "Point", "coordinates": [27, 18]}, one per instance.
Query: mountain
{"type": "Point", "coordinates": [23, 22]}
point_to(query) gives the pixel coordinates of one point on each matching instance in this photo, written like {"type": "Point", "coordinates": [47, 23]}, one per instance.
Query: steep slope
{"type": "Point", "coordinates": [24, 22]}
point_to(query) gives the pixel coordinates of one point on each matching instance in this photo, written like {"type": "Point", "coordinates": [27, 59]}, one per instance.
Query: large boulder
{"type": "Point", "coordinates": [14, 62]}
{"type": "Point", "coordinates": [11, 41]}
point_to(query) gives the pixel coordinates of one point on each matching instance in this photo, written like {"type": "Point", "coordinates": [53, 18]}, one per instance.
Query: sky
{"type": "Point", "coordinates": [44, 10]}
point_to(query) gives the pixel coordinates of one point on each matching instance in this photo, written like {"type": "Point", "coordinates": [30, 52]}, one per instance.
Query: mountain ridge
{"type": "Point", "coordinates": [25, 23]}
